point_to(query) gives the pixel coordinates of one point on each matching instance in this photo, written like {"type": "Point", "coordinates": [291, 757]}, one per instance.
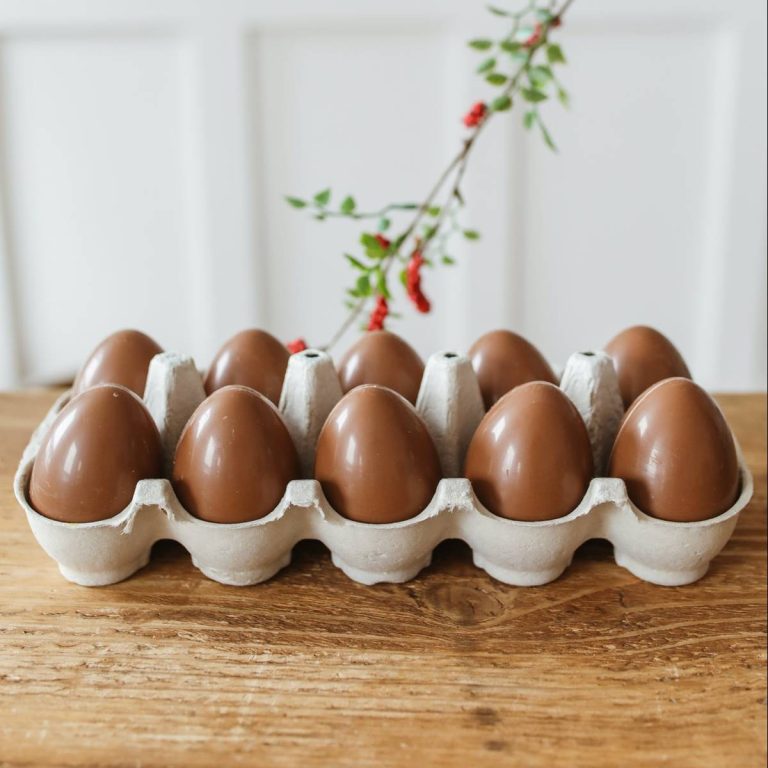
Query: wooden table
{"type": "Point", "coordinates": [452, 669]}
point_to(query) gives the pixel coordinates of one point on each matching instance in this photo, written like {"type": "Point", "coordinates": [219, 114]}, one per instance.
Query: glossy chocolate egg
{"type": "Point", "coordinates": [375, 458]}
{"type": "Point", "coordinates": [642, 356]}
{"type": "Point", "coordinates": [676, 453]}
{"type": "Point", "coordinates": [100, 445]}
{"type": "Point", "coordinates": [530, 457]}
{"type": "Point", "coordinates": [122, 358]}
{"type": "Point", "coordinates": [381, 357]}
{"type": "Point", "coordinates": [234, 458]}
{"type": "Point", "coordinates": [503, 360]}
{"type": "Point", "coordinates": [251, 358]}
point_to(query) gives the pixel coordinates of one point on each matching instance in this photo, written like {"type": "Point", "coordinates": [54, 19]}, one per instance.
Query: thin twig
{"type": "Point", "coordinates": [457, 165]}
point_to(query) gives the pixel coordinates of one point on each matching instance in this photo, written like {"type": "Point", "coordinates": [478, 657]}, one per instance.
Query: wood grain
{"type": "Point", "coordinates": [452, 669]}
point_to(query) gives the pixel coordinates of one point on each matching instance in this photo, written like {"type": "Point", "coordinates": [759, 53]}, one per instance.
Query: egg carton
{"type": "Point", "coordinates": [449, 401]}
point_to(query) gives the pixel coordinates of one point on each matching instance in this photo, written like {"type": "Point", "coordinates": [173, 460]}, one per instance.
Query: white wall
{"type": "Point", "coordinates": [145, 146]}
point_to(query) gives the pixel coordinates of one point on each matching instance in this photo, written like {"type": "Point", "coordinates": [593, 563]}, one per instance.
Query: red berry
{"type": "Point", "coordinates": [475, 114]}
{"type": "Point", "coordinates": [378, 315]}
{"type": "Point", "coordinates": [297, 345]}
{"type": "Point", "coordinates": [535, 38]}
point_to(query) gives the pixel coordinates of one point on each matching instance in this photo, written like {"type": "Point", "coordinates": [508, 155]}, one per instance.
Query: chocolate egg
{"type": "Point", "coordinates": [122, 358]}
{"type": "Point", "coordinates": [99, 446]}
{"type": "Point", "coordinates": [381, 357]}
{"type": "Point", "coordinates": [375, 458]}
{"type": "Point", "coordinates": [251, 358]}
{"type": "Point", "coordinates": [676, 453]}
{"type": "Point", "coordinates": [530, 457]}
{"type": "Point", "coordinates": [503, 360]}
{"type": "Point", "coordinates": [642, 356]}
{"type": "Point", "coordinates": [234, 458]}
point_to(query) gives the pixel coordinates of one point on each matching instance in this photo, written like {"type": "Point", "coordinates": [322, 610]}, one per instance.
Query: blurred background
{"type": "Point", "coordinates": [146, 145]}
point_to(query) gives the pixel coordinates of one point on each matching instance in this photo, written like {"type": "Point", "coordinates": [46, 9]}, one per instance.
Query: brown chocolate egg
{"type": "Point", "coordinates": [642, 356]}
{"type": "Point", "coordinates": [381, 357]}
{"type": "Point", "coordinates": [122, 358]}
{"type": "Point", "coordinates": [375, 458]}
{"type": "Point", "coordinates": [503, 360]}
{"type": "Point", "coordinates": [234, 458]}
{"type": "Point", "coordinates": [530, 457]}
{"type": "Point", "coordinates": [676, 453]}
{"type": "Point", "coordinates": [251, 358]}
{"type": "Point", "coordinates": [99, 446]}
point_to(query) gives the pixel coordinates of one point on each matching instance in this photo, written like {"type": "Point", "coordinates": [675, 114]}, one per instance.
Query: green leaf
{"type": "Point", "coordinates": [543, 15]}
{"type": "Point", "coordinates": [498, 11]}
{"type": "Point", "coordinates": [296, 202]}
{"type": "Point", "coordinates": [356, 263]}
{"type": "Point", "coordinates": [533, 95]}
{"type": "Point", "coordinates": [555, 54]}
{"type": "Point", "coordinates": [381, 284]}
{"type": "Point", "coordinates": [481, 44]}
{"type": "Point", "coordinates": [448, 261]}
{"type": "Point", "coordinates": [487, 65]}
{"type": "Point", "coordinates": [404, 277]}
{"type": "Point", "coordinates": [384, 224]}
{"type": "Point", "coordinates": [323, 198]}
{"type": "Point", "coordinates": [429, 232]}
{"type": "Point", "coordinates": [546, 136]}
{"type": "Point", "coordinates": [563, 98]}
{"type": "Point", "coordinates": [471, 234]}
{"type": "Point", "coordinates": [529, 118]}
{"type": "Point", "coordinates": [433, 211]}
{"type": "Point", "coordinates": [496, 78]}
{"type": "Point", "coordinates": [510, 46]}
{"type": "Point", "coordinates": [541, 72]}
{"type": "Point", "coordinates": [502, 104]}
{"type": "Point", "coordinates": [404, 206]}
{"type": "Point", "coordinates": [370, 242]}
{"type": "Point", "coordinates": [348, 204]}
{"type": "Point", "coordinates": [363, 285]}
{"type": "Point", "coordinates": [320, 217]}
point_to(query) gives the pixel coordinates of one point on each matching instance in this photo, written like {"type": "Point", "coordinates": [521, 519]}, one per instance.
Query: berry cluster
{"type": "Point", "coordinates": [476, 115]}
{"type": "Point", "coordinates": [297, 345]}
{"type": "Point", "coordinates": [379, 314]}
{"type": "Point", "coordinates": [413, 282]}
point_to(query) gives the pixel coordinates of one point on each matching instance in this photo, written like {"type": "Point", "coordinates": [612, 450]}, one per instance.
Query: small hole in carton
{"type": "Point", "coordinates": [311, 354]}
{"type": "Point", "coordinates": [449, 355]}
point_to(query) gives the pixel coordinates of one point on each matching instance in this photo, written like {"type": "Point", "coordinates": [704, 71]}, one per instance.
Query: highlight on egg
{"type": "Point", "coordinates": [642, 357]}
{"type": "Point", "coordinates": [383, 358]}
{"type": "Point", "coordinates": [252, 358]}
{"type": "Point", "coordinates": [530, 457]}
{"type": "Point", "coordinates": [503, 360]}
{"type": "Point", "coordinates": [122, 358]}
{"type": "Point", "coordinates": [234, 458]}
{"type": "Point", "coordinates": [99, 446]}
{"type": "Point", "coordinates": [375, 458]}
{"type": "Point", "coordinates": [676, 454]}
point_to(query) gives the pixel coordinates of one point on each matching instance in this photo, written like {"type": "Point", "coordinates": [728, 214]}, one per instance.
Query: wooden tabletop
{"type": "Point", "coordinates": [452, 669]}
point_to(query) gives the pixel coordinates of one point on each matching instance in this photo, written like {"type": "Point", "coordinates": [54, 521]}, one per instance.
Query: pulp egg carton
{"type": "Point", "coordinates": [514, 552]}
